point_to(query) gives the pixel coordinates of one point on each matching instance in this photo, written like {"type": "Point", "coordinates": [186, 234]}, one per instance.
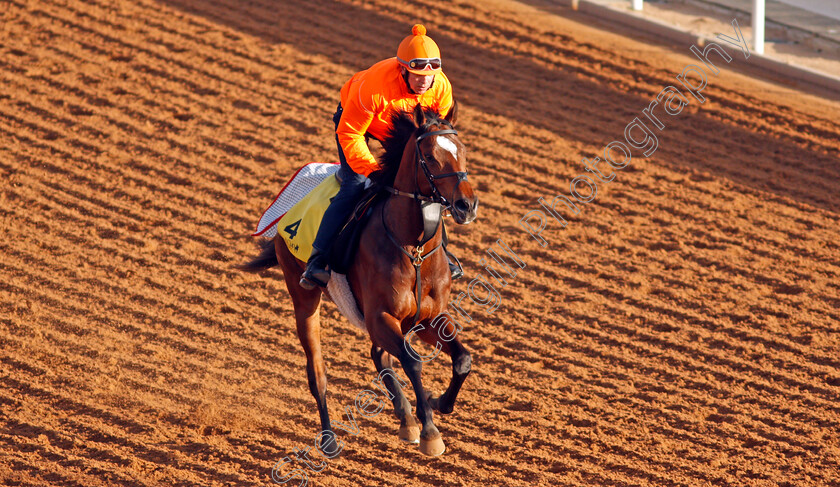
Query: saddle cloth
{"type": "Point", "coordinates": [301, 183]}
{"type": "Point", "coordinates": [296, 213]}
{"type": "Point", "coordinates": [299, 225]}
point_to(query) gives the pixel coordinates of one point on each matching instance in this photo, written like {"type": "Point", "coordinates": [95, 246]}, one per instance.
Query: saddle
{"type": "Point", "coordinates": [344, 248]}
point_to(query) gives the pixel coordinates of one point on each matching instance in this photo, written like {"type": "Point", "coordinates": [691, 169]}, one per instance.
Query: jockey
{"type": "Point", "coordinates": [367, 102]}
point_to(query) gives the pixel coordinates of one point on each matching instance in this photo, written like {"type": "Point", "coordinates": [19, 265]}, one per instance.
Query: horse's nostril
{"type": "Point", "coordinates": [462, 205]}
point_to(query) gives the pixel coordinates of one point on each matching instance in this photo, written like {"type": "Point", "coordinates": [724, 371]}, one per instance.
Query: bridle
{"type": "Point", "coordinates": [436, 196]}
{"type": "Point", "coordinates": [416, 256]}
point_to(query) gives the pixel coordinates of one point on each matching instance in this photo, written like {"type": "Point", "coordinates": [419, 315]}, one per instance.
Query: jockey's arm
{"type": "Point", "coordinates": [354, 123]}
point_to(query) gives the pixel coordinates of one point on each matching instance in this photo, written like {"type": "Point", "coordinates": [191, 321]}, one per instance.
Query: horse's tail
{"type": "Point", "coordinates": [266, 259]}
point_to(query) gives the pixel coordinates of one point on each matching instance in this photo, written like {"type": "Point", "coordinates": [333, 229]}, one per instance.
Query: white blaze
{"type": "Point", "coordinates": [448, 145]}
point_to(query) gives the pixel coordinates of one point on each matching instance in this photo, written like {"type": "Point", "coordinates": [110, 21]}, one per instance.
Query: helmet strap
{"type": "Point", "coordinates": [405, 79]}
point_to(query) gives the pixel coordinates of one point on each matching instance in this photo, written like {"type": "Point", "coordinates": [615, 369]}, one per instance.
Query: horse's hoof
{"type": "Point", "coordinates": [432, 447]}
{"type": "Point", "coordinates": [410, 434]}
{"type": "Point", "coordinates": [434, 401]}
{"type": "Point", "coordinates": [326, 443]}
{"type": "Point", "coordinates": [335, 453]}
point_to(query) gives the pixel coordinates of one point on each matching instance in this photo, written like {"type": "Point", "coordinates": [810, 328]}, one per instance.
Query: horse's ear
{"type": "Point", "coordinates": [419, 115]}
{"type": "Point", "coordinates": [452, 115]}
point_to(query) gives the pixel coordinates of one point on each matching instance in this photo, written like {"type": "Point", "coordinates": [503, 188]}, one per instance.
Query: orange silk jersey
{"type": "Point", "coordinates": [370, 97]}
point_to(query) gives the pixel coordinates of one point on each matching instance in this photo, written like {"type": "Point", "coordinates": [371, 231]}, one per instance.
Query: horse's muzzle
{"type": "Point", "coordinates": [464, 211]}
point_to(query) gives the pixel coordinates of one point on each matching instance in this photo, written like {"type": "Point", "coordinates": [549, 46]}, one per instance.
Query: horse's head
{"type": "Point", "coordinates": [441, 163]}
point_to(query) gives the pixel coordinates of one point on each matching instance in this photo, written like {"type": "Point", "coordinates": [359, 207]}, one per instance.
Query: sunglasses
{"type": "Point", "coordinates": [424, 63]}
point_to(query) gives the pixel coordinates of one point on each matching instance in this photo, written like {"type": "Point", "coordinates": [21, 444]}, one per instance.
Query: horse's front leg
{"type": "Point", "coordinates": [461, 362]}
{"type": "Point", "coordinates": [431, 442]}
{"type": "Point", "coordinates": [385, 331]}
{"type": "Point", "coordinates": [384, 362]}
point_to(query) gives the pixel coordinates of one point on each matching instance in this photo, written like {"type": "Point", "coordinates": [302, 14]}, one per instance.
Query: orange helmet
{"type": "Point", "coordinates": [418, 53]}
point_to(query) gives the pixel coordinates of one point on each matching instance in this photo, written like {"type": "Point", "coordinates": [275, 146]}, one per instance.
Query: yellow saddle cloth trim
{"type": "Point", "coordinates": [299, 225]}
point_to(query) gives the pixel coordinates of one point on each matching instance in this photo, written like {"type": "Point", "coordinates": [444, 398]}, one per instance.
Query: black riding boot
{"type": "Point", "coordinates": [455, 268]}
{"type": "Point", "coordinates": [316, 273]}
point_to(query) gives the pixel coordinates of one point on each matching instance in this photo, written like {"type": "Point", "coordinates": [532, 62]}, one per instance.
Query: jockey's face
{"type": "Point", "coordinates": [420, 83]}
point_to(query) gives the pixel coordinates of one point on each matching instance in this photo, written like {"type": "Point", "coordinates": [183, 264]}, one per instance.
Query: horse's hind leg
{"type": "Point", "coordinates": [409, 431]}
{"type": "Point", "coordinates": [307, 305]}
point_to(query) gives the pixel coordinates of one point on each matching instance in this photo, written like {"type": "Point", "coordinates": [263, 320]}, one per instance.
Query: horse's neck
{"type": "Point", "coordinates": [403, 214]}
{"type": "Point", "coordinates": [404, 219]}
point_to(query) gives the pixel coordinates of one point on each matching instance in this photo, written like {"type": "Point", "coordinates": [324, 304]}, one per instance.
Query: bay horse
{"type": "Point", "coordinates": [424, 161]}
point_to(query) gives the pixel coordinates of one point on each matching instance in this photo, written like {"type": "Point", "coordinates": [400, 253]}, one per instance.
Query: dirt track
{"type": "Point", "coordinates": [682, 330]}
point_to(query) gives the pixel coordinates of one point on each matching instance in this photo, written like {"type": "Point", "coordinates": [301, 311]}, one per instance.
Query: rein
{"type": "Point", "coordinates": [436, 198]}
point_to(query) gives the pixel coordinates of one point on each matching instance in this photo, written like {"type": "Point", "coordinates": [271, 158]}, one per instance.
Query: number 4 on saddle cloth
{"type": "Point", "coordinates": [297, 211]}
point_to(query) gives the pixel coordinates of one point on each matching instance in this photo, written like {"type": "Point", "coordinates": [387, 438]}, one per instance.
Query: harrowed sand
{"type": "Point", "coordinates": [681, 330]}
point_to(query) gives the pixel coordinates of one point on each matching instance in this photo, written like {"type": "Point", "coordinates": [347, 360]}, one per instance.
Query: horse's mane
{"type": "Point", "coordinates": [402, 128]}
